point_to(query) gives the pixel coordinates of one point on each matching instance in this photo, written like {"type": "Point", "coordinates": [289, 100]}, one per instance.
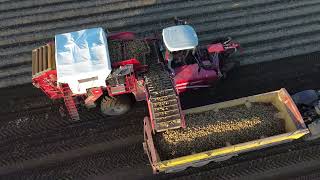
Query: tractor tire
{"type": "Point", "coordinates": [228, 67]}
{"type": "Point", "coordinates": [115, 106]}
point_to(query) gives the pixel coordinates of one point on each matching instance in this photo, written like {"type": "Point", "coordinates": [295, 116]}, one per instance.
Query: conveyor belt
{"type": "Point", "coordinates": [163, 100]}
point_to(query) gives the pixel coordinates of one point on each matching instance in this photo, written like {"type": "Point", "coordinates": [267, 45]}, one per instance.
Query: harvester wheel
{"type": "Point", "coordinates": [114, 106]}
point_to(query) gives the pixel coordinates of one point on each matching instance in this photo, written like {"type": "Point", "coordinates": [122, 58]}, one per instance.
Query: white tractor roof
{"type": "Point", "coordinates": [179, 37]}
{"type": "Point", "coordinates": [82, 59]}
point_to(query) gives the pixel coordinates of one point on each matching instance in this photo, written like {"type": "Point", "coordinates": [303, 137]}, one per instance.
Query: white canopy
{"type": "Point", "coordinates": [82, 59]}
{"type": "Point", "coordinates": [180, 37]}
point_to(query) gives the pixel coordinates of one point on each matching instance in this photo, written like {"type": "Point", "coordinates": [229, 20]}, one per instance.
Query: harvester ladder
{"type": "Point", "coordinates": [69, 103]}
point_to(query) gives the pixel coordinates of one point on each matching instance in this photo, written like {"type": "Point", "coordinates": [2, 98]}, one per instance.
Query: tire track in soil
{"type": "Point", "coordinates": [34, 114]}
{"type": "Point", "coordinates": [30, 122]}
{"type": "Point", "coordinates": [213, 170]}
{"type": "Point", "coordinates": [72, 136]}
{"type": "Point", "coordinates": [263, 167]}
{"type": "Point", "coordinates": [310, 175]}
{"type": "Point", "coordinates": [94, 164]}
{"type": "Point", "coordinates": [20, 105]}
{"type": "Point", "coordinates": [49, 119]}
{"type": "Point", "coordinates": [266, 75]}
{"type": "Point", "coordinates": [259, 162]}
{"type": "Point", "coordinates": [70, 151]}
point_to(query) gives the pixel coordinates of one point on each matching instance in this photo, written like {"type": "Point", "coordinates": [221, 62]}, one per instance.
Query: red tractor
{"type": "Point", "coordinates": [114, 70]}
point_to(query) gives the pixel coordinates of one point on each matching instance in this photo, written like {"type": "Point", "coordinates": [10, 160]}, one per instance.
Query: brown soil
{"type": "Point", "coordinates": [210, 130]}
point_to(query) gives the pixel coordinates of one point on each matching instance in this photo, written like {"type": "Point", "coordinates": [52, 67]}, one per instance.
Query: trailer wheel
{"type": "Point", "coordinates": [114, 106]}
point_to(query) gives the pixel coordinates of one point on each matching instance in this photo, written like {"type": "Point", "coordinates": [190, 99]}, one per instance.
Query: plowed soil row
{"type": "Point", "coordinates": [267, 30]}
{"type": "Point", "coordinates": [53, 148]}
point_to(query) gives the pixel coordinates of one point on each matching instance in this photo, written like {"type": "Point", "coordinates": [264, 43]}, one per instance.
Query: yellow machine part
{"type": "Point", "coordinates": [244, 147]}
{"type": "Point", "coordinates": [43, 59]}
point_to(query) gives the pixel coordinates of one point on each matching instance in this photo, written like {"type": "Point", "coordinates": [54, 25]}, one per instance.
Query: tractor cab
{"type": "Point", "coordinates": [185, 59]}
{"type": "Point", "coordinates": [180, 42]}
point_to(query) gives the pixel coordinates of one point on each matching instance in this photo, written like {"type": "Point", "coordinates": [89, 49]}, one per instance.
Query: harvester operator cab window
{"type": "Point", "coordinates": [180, 58]}
{"type": "Point", "coordinates": [179, 40]}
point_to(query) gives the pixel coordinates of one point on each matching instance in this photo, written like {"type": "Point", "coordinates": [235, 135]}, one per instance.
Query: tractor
{"type": "Point", "coordinates": [308, 103]}
{"type": "Point", "coordinates": [112, 70]}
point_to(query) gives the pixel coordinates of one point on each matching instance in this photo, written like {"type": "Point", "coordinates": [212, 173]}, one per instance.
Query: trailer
{"type": "Point", "coordinates": [285, 120]}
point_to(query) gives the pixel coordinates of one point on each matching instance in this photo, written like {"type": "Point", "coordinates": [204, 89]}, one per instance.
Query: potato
{"type": "Point", "coordinates": [127, 49]}
{"type": "Point", "coordinates": [210, 130]}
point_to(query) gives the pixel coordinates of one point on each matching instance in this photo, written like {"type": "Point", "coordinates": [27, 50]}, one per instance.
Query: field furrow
{"type": "Point", "coordinates": [280, 49]}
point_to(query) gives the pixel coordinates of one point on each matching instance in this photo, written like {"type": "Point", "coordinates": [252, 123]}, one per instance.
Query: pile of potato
{"type": "Point", "coordinates": [120, 50]}
{"type": "Point", "coordinates": [215, 129]}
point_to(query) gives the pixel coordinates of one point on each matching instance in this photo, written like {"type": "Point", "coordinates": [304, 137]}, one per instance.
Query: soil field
{"type": "Point", "coordinates": [38, 142]}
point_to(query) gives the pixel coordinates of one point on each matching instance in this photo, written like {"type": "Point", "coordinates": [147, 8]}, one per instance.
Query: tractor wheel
{"type": "Point", "coordinates": [115, 106]}
{"type": "Point", "coordinates": [228, 67]}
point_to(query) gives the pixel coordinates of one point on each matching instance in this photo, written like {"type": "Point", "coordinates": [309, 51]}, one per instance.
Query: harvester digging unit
{"type": "Point", "coordinates": [93, 68]}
